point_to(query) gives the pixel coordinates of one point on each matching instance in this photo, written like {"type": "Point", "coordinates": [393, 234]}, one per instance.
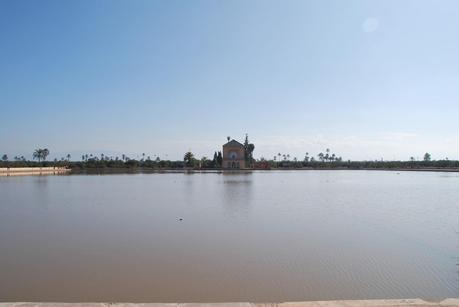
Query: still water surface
{"type": "Point", "coordinates": [261, 236]}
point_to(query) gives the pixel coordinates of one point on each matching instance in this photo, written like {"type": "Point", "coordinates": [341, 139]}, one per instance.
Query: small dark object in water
{"type": "Point", "coordinates": [180, 219]}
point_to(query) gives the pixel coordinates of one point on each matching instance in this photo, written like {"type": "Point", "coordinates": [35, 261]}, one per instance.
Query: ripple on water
{"type": "Point", "coordinates": [261, 236]}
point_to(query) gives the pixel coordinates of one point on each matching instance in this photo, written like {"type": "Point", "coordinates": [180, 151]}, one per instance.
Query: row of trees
{"type": "Point", "coordinates": [20, 161]}
{"type": "Point", "coordinates": [38, 154]}
{"type": "Point", "coordinates": [191, 162]}
{"type": "Point", "coordinates": [331, 160]}
{"type": "Point", "coordinates": [325, 159]}
{"type": "Point", "coordinates": [285, 160]}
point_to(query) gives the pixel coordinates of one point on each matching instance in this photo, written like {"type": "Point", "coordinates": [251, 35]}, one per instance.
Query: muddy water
{"type": "Point", "coordinates": [261, 236]}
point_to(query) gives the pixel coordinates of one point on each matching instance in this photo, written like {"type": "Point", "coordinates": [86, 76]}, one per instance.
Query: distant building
{"type": "Point", "coordinates": [233, 155]}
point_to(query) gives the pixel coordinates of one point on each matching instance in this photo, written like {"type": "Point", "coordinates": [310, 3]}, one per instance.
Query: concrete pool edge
{"type": "Point", "coordinates": [337, 303]}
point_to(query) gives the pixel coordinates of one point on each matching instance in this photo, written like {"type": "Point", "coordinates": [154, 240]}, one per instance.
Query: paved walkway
{"type": "Point", "coordinates": [357, 303]}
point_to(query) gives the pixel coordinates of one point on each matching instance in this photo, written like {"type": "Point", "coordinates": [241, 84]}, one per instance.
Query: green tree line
{"type": "Point", "coordinates": [323, 160]}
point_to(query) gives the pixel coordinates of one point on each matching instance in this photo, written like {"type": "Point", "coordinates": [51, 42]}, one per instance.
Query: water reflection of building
{"type": "Point", "coordinates": [236, 192]}
{"type": "Point", "coordinates": [233, 155]}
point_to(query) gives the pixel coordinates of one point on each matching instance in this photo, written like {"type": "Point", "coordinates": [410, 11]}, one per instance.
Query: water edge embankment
{"type": "Point", "coordinates": [26, 171]}
{"type": "Point", "coordinates": [451, 302]}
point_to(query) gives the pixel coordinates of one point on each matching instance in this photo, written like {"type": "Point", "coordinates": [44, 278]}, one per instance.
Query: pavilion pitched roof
{"type": "Point", "coordinates": [233, 143]}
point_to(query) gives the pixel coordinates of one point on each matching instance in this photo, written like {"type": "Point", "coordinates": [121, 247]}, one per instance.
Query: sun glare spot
{"type": "Point", "coordinates": [370, 25]}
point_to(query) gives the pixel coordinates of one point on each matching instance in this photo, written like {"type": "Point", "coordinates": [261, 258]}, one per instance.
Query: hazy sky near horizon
{"type": "Point", "coordinates": [368, 79]}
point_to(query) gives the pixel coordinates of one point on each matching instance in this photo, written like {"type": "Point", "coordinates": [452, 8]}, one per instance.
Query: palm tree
{"type": "Point", "coordinates": [321, 157]}
{"type": "Point", "coordinates": [68, 157]}
{"type": "Point", "coordinates": [5, 157]}
{"type": "Point", "coordinates": [38, 154]}
{"type": "Point", "coordinates": [45, 154]}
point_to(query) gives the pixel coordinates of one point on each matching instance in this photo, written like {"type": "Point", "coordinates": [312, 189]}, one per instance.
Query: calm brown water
{"type": "Point", "coordinates": [261, 236]}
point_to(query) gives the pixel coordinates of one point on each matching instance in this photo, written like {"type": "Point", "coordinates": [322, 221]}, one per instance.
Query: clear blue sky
{"type": "Point", "coordinates": [368, 79]}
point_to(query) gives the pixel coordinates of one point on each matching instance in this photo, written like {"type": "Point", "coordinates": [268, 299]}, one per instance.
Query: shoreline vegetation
{"type": "Point", "coordinates": [113, 164]}
{"type": "Point", "coordinates": [13, 172]}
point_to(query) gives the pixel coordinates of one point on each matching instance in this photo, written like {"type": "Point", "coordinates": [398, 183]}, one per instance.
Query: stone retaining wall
{"type": "Point", "coordinates": [18, 171]}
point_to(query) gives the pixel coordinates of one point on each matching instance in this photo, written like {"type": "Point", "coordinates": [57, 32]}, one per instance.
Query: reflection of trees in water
{"type": "Point", "coordinates": [42, 180]}
{"type": "Point", "coordinates": [236, 179]}
{"type": "Point", "coordinates": [41, 191]}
